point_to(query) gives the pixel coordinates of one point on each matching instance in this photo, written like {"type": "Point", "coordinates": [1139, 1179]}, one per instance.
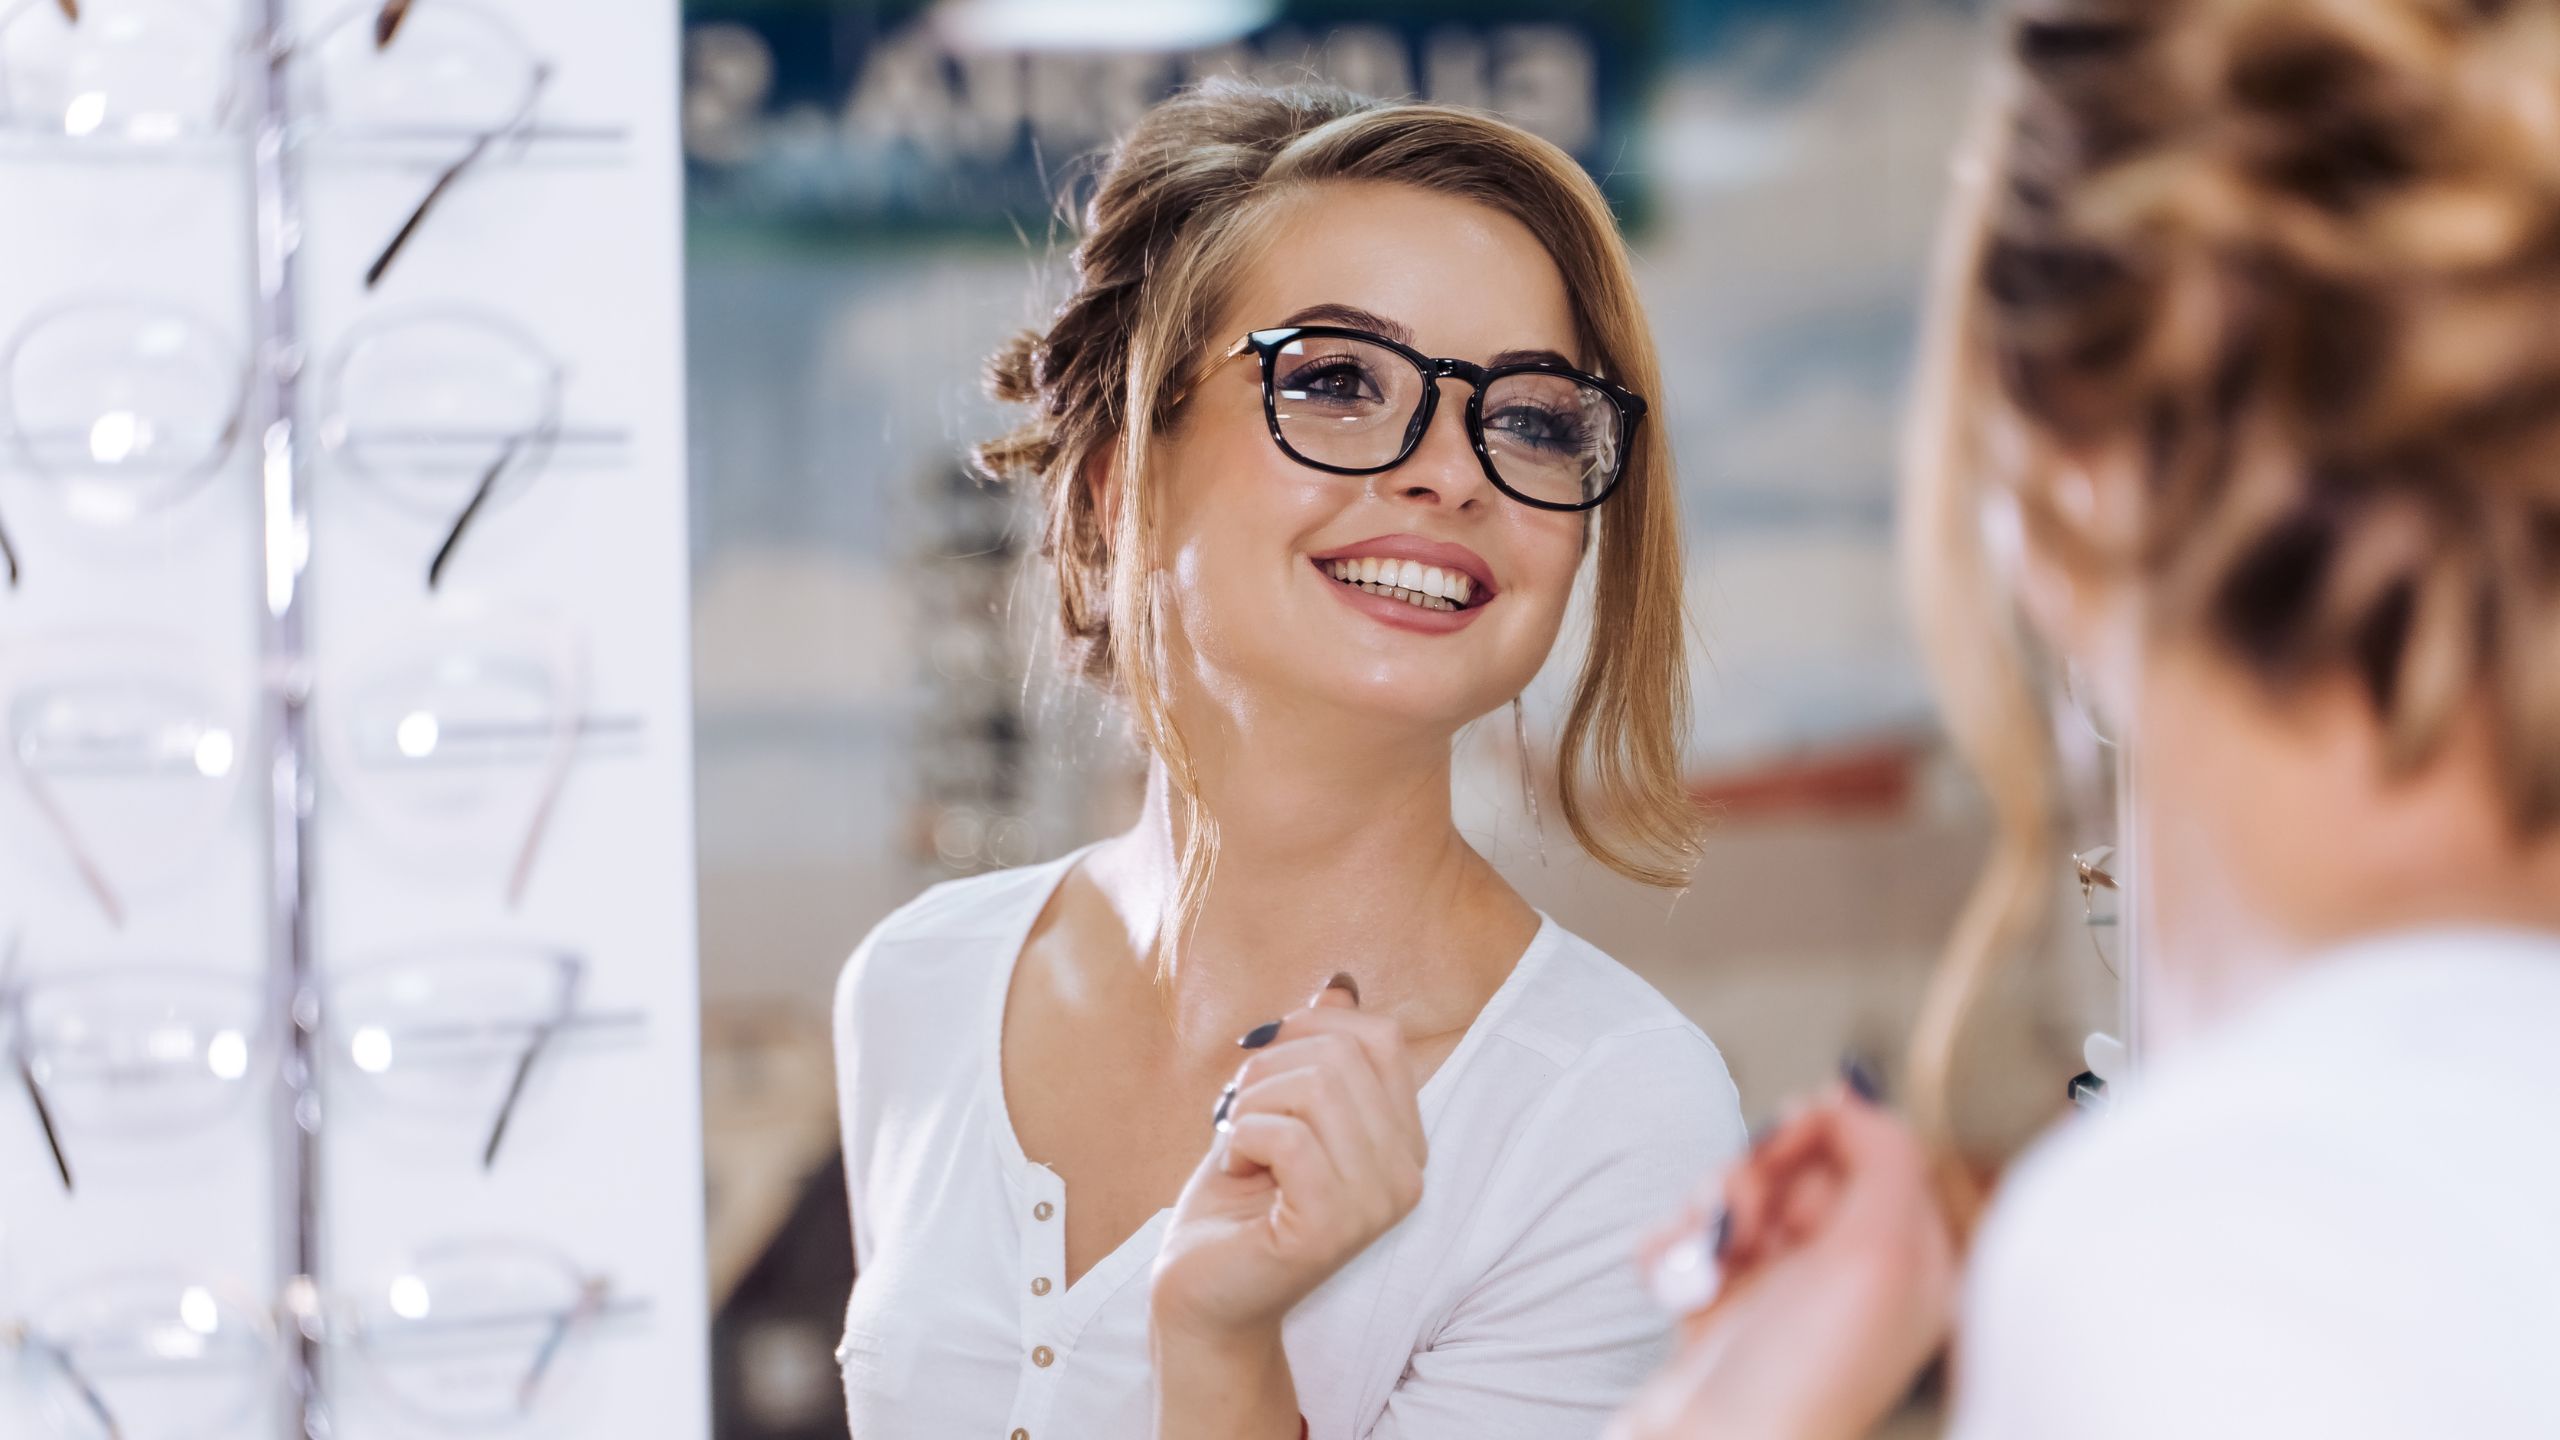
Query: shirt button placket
{"type": "Point", "coordinates": [1044, 1255]}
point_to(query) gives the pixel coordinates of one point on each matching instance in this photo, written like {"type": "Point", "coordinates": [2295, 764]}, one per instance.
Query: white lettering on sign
{"type": "Point", "coordinates": [975, 108]}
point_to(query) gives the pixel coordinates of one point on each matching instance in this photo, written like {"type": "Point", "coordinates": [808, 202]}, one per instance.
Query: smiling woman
{"type": "Point", "coordinates": [1345, 399]}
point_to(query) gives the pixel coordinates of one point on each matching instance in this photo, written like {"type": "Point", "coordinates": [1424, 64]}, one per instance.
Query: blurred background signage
{"type": "Point", "coordinates": [974, 113]}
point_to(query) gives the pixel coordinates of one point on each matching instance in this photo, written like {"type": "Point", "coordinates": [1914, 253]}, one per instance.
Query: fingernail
{"type": "Point", "coordinates": [1721, 1233]}
{"type": "Point", "coordinates": [1226, 1102]}
{"type": "Point", "coordinates": [1685, 1280]}
{"type": "Point", "coordinates": [1342, 981]}
{"type": "Point", "coordinates": [1862, 1081]}
{"type": "Point", "coordinates": [1260, 1035]}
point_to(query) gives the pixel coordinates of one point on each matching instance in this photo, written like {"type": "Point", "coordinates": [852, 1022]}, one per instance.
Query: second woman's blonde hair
{"type": "Point", "coordinates": [1180, 210]}
{"type": "Point", "coordinates": [2300, 260]}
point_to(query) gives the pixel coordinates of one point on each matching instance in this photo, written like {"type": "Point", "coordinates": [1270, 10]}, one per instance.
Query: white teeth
{"type": "Point", "coordinates": [1425, 586]}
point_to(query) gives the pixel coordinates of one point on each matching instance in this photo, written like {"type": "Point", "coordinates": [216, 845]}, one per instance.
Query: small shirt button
{"type": "Point", "coordinates": [1042, 1356]}
{"type": "Point", "coordinates": [1020, 1435]}
{"type": "Point", "coordinates": [1040, 1286]}
{"type": "Point", "coordinates": [1043, 1210]}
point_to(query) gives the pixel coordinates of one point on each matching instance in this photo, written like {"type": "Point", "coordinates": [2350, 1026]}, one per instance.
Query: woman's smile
{"type": "Point", "coordinates": [1405, 581]}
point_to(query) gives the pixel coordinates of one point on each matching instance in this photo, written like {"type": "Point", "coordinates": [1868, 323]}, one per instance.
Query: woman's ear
{"type": "Point", "coordinates": [2087, 614]}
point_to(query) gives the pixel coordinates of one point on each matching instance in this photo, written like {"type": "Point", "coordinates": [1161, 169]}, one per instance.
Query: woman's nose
{"type": "Point", "coordinates": [1443, 468]}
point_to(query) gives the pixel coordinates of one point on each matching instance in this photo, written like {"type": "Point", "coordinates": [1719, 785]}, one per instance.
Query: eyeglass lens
{"type": "Point", "coordinates": [144, 1357]}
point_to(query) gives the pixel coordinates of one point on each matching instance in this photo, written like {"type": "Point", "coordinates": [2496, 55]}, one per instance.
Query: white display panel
{"type": "Point", "coordinates": [537, 688]}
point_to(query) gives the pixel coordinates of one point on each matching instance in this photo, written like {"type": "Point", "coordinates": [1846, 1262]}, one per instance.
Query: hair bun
{"type": "Point", "coordinates": [2303, 258]}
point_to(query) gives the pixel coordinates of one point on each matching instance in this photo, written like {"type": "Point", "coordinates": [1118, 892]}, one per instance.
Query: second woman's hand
{"type": "Point", "coordinates": [1838, 1284]}
{"type": "Point", "coordinates": [1318, 1151]}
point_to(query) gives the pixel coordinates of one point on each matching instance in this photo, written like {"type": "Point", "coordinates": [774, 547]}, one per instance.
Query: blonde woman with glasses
{"type": "Point", "coordinates": [2246, 401]}
{"type": "Point", "coordinates": [1281, 1114]}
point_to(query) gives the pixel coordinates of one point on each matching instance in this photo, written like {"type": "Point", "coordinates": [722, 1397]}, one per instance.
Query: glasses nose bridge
{"type": "Point", "coordinates": [1437, 370]}
{"type": "Point", "coordinates": [1418, 437]}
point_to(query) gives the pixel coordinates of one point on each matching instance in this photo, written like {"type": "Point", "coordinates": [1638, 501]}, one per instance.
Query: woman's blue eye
{"type": "Point", "coordinates": [1545, 429]}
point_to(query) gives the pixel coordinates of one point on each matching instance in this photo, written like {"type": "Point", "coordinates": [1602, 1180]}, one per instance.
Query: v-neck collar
{"type": "Point", "coordinates": [1034, 1182]}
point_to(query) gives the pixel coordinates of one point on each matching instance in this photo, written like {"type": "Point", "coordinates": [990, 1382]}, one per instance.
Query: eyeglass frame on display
{"type": "Point", "coordinates": [14, 991]}
{"type": "Point", "coordinates": [572, 968]}
{"type": "Point", "coordinates": [228, 438]}
{"type": "Point", "coordinates": [389, 19]}
{"type": "Point", "coordinates": [540, 440]}
{"type": "Point", "coordinates": [84, 861]}
{"type": "Point", "coordinates": [596, 1300]}
{"type": "Point", "coordinates": [569, 727]}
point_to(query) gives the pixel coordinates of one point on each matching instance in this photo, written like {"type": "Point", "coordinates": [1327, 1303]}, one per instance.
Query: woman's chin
{"type": "Point", "coordinates": [1401, 707]}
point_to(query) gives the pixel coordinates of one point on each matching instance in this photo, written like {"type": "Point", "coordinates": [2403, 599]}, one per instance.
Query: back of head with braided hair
{"type": "Point", "coordinates": [1181, 206]}
{"type": "Point", "coordinates": [2301, 260]}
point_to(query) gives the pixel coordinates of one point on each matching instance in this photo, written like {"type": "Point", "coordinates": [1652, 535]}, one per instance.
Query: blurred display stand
{"type": "Point", "coordinates": [346, 869]}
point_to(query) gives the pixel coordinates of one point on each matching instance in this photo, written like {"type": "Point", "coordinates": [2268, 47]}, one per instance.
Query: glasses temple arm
{"type": "Point", "coordinates": [480, 146]}
{"type": "Point", "coordinates": [91, 874]}
{"type": "Point", "coordinates": [590, 1301]}
{"type": "Point", "coordinates": [26, 1073]}
{"type": "Point", "coordinates": [564, 753]}
{"type": "Point", "coordinates": [80, 1385]}
{"type": "Point", "coordinates": [44, 1121]}
{"type": "Point", "coordinates": [470, 511]}
{"type": "Point", "coordinates": [9, 556]}
{"type": "Point", "coordinates": [540, 1041]}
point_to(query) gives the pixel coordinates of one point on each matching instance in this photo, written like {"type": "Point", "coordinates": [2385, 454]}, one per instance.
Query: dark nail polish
{"type": "Point", "coordinates": [1862, 1081]}
{"type": "Point", "coordinates": [1342, 981]}
{"type": "Point", "coordinates": [1721, 1234]}
{"type": "Point", "coordinates": [1260, 1035]}
{"type": "Point", "coordinates": [1226, 1103]}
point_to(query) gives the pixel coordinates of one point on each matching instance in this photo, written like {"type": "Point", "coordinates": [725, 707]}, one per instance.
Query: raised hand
{"type": "Point", "coordinates": [1318, 1152]}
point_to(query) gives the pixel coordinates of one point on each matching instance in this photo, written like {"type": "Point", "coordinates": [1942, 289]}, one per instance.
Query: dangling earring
{"type": "Point", "coordinates": [1528, 784]}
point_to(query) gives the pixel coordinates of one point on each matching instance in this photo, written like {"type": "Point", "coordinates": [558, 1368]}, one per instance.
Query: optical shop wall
{"type": "Point", "coordinates": [347, 969]}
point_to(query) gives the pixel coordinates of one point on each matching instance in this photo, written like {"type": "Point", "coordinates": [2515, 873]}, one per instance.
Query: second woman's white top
{"type": "Point", "coordinates": [2336, 1217]}
{"type": "Point", "coordinates": [1577, 1112]}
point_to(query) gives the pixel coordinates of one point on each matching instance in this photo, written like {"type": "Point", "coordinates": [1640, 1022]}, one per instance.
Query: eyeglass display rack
{"type": "Point", "coordinates": [348, 997]}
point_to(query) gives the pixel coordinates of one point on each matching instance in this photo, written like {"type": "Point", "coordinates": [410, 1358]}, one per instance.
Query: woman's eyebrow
{"type": "Point", "coordinates": [1333, 313]}
{"type": "Point", "coordinates": [1330, 313]}
{"type": "Point", "coordinates": [1529, 357]}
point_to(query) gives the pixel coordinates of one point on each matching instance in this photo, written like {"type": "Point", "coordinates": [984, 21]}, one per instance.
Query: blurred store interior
{"type": "Point", "coordinates": [870, 209]}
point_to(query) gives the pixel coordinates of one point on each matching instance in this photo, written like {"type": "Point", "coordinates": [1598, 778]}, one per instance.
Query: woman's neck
{"type": "Point", "coordinates": [2286, 838]}
{"type": "Point", "coordinates": [1353, 865]}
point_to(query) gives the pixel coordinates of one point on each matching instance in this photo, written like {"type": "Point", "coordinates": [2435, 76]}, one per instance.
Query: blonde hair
{"type": "Point", "coordinates": [1181, 205]}
{"type": "Point", "coordinates": [2302, 259]}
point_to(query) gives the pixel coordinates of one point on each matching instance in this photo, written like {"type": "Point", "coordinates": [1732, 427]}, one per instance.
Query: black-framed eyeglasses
{"type": "Point", "coordinates": [1351, 402]}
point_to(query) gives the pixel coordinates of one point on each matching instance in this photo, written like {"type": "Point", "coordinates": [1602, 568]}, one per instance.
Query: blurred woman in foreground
{"type": "Point", "coordinates": [2244, 400]}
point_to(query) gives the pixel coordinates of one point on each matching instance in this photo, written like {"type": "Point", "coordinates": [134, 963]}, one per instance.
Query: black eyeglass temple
{"type": "Point", "coordinates": [515, 1092]}
{"type": "Point", "coordinates": [18, 1057]}
{"type": "Point", "coordinates": [44, 1121]}
{"type": "Point", "coordinates": [471, 511]}
{"type": "Point", "coordinates": [9, 556]}
{"type": "Point", "coordinates": [479, 146]}
{"type": "Point", "coordinates": [543, 1034]}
